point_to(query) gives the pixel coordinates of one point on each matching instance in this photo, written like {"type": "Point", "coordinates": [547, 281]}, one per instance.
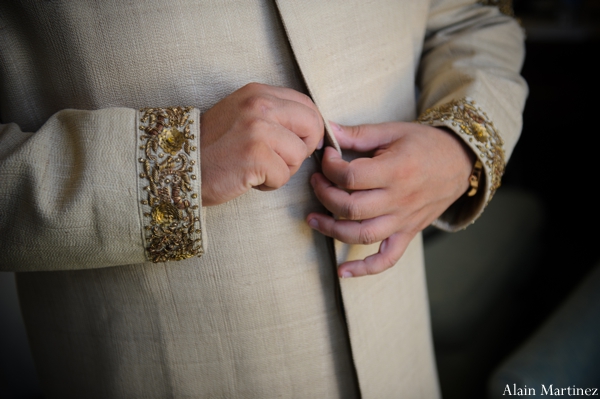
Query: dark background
{"type": "Point", "coordinates": [556, 161]}
{"type": "Point", "coordinates": [557, 155]}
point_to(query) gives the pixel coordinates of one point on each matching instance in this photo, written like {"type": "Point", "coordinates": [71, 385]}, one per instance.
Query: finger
{"type": "Point", "coordinates": [263, 98]}
{"type": "Point", "coordinates": [357, 205]}
{"type": "Point", "coordinates": [288, 146]}
{"type": "Point", "coordinates": [359, 174]}
{"type": "Point", "coordinates": [363, 138]}
{"type": "Point", "coordinates": [269, 171]}
{"type": "Point", "coordinates": [302, 120]}
{"type": "Point", "coordinates": [352, 232]}
{"type": "Point", "coordinates": [390, 252]}
{"type": "Point", "coordinates": [291, 95]}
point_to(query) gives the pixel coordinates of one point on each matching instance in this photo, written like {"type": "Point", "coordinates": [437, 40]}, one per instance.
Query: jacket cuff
{"type": "Point", "coordinates": [472, 124]}
{"type": "Point", "coordinates": [169, 186]}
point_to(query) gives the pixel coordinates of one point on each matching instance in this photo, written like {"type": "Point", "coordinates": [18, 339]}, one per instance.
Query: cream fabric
{"type": "Point", "coordinates": [260, 314]}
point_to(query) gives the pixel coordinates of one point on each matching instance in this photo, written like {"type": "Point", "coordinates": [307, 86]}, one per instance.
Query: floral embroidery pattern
{"type": "Point", "coordinates": [172, 222]}
{"type": "Point", "coordinates": [475, 125]}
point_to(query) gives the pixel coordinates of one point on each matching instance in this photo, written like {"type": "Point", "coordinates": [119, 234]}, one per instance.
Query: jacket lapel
{"type": "Point", "coordinates": [358, 60]}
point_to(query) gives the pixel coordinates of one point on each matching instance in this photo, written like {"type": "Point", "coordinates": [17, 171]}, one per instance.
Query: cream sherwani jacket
{"type": "Point", "coordinates": [129, 287]}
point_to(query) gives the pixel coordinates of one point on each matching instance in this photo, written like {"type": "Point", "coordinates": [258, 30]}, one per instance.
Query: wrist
{"type": "Point", "coordinates": [470, 166]}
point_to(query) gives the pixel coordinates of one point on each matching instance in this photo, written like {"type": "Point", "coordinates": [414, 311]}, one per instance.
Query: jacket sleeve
{"type": "Point", "coordinates": [100, 188]}
{"type": "Point", "coordinates": [470, 83]}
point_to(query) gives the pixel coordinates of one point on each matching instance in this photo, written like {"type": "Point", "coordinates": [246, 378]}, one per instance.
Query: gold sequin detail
{"type": "Point", "coordinates": [473, 123]}
{"type": "Point", "coordinates": [172, 222]}
{"type": "Point", "coordinates": [505, 6]}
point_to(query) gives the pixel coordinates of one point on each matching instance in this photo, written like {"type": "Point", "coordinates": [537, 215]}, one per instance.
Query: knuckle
{"type": "Point", "coordinates": [388, 262]}
{"type": "Point", "coordinates": [258, 103]}
{"type": "Point", "coordinates": [318, 121]}
{"type": "Point", "coordinates": [349, 178]}
{"type": "Point", "coordinates": [371, 269]}
{"type": "Point", "coordinates": [352, 211]}
{"type": "Point", "coordinates": [367, 236]}
{"type": "Point", "coordinates": [376, 268]}
{"type": "Point", "coordinates": [296, 159]}
{"type": "Point", "coordinates": [357, 131]}
{"type": "Point", "coordinates": [306, 100]}
{"type": "Point", "coordinates": [314, 112]}
{"type": "Point", "coordinates": [382, 265]}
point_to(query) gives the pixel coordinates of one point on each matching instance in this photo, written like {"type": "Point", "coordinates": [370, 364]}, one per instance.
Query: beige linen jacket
{"type": "Point", "coordinates": [92, 190]}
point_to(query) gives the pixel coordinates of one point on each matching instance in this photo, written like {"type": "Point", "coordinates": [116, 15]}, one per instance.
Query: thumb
{"type": "Point", "coordinates": [363, 138]}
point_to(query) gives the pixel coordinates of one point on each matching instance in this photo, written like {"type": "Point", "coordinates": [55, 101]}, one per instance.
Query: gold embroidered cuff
{"type": "Point", "coordinates": [465, 118]}
{"type": "Point", "coordinates": [169, 183]}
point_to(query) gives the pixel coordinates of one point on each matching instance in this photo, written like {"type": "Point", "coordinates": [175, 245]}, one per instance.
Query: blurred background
{"type": "Point", "coordinates": [515, 299]}
{"type": "Point", "coordinates": [518, 299]}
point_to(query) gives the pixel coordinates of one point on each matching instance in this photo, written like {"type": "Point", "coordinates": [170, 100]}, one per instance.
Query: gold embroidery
{"type": "Point", "coordinates": [173, 224]}
{"type": "Point", "coordinates": [475, 125]}
{"type": "Point", "coordinates": [505, 6]}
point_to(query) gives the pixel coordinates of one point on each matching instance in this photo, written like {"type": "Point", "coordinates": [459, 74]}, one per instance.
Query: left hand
{"type": "Point", "coordinates": [416, 172]}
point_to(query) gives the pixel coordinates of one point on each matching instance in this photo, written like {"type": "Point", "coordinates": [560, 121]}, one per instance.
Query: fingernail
{"type": "Point", "coordinates": [320, 145]}
{"type": "Point", "coordinates": [346, 274]}
{"type": "Point", "coordinates": [335, 126]}
{"type": "Point", "coordinates": [313, 223]}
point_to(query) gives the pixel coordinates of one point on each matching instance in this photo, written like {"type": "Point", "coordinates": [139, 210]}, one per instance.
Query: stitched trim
{"type": "Point", "coordinates": [172, 222]}
{"type": "Point", "coordinates": [470, 121]}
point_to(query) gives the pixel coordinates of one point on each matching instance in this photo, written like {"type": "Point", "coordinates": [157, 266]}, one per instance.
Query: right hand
{"type": "Point", "coordinates": [257, 137]}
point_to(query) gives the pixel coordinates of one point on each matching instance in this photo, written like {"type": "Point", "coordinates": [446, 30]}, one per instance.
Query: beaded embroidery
{"type": "Point", "coordinates": [172, 222]}
{"type": "Point", "coordinates": [474, 124]}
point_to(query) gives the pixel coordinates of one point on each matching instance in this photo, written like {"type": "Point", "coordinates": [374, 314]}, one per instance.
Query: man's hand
{"type": "Point", "coordinates": [416, 172]}
{"type": "Point", "coordinates": [258, 137]}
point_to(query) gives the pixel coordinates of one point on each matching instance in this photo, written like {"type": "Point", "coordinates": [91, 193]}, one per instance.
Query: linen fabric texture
{"type": "Point", "coordinates": [262, 313]}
